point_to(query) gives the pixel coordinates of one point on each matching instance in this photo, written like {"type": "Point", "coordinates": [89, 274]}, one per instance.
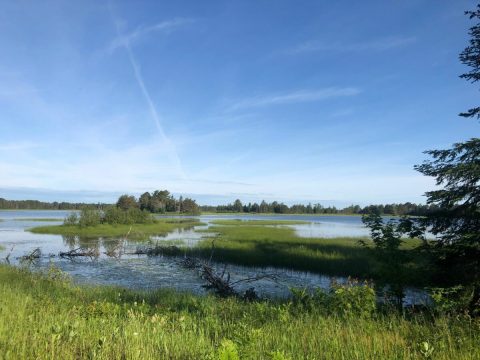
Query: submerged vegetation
{"type": "Point", "coordinates": [111, 323]}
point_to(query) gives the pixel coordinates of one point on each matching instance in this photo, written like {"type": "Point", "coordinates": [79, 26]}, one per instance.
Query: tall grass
{"type": "Point", "coordinates": [45, 317]}
{"type": "Point", "coordinates": [261, 246]}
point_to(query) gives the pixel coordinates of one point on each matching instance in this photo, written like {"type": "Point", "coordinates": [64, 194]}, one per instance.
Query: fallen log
{"type": "Point", "coordinates": [35, 254]}
{"type": "Point", "coordinates": [79, 252]}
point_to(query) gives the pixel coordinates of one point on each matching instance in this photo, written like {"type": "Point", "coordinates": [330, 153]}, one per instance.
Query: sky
{"type": "Point", "coordinates": [314, 101]}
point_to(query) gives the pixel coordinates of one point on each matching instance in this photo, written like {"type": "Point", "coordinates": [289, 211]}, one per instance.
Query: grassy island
{"type": "Point", "coordinates": [112, 222]}
{"type": "Point", "coordinates": [134, 231]}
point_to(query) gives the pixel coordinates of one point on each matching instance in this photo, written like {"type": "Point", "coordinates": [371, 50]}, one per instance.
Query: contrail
{"type": "Point", "coordinates": [172, 151]}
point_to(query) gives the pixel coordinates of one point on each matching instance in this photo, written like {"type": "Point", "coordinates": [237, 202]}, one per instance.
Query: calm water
{"type": "Point", "coordinates": [142, 272]}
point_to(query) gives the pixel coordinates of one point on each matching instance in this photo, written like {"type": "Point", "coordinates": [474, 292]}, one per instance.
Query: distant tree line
{"type": "Point", "coordinates": [41, 205]}
{"type": "Point", "coordinates": [162, 201]}
{"type": "Point", "coordinates": [280, 208]}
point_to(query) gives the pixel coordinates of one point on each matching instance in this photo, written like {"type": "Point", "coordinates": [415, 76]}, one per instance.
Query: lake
{"type": "Point", "coordinates": [143, 272]}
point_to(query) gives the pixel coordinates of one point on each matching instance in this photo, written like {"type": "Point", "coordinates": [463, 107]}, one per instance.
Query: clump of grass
{"type": "Point", "coordinates": [48, 318]}
{"type": "Point", "coordinates": [135, 231]}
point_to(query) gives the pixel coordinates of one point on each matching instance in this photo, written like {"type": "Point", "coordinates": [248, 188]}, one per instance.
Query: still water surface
{"type": "Point", "coordinates": [143, 272]}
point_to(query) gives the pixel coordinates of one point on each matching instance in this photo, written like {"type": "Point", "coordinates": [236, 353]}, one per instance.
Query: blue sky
{"type": "Point", "coordinates": [295, 101]}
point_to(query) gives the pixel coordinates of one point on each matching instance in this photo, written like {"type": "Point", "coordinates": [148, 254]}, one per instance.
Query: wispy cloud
{"type": "Point", "coordinates": [382, 44]}
{"type": "Point", "coordinates": [125, 42]}
{"type": "Point", "coordinates": [128, 39]}
{"type": "Point", "coordinates": [299, 96]}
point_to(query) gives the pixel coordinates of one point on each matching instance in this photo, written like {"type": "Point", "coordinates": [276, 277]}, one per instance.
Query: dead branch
{"type": "Point", "coordinates": [79, 252]}
{"type": "Point", "coordinates": [35, 254]}
{"type": "Point", "coordinates": [272, 277]}
{"type": "Point", "coordinates": [7, 259]}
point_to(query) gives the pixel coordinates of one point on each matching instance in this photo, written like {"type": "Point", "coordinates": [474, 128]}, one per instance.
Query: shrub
{"type": "Point", "coordinates": [452, 300]}
{"type": "Point", "coordinates": [353, 298]}
{"type": "Point", "coordinates": [71, 219]}
{"type": "Point", "coordinates": [349, 299]}
{"type": "Point", "coordinates": [89, 217]}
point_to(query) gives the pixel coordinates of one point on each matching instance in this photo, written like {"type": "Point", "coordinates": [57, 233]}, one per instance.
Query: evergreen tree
{"type": "Point", "coordinates": [456, 221]}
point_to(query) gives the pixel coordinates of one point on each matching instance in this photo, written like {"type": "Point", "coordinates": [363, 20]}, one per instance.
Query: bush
{"type": "Point", "coordinates": [71, 219]}
{"type": "Point", "coordinates": [453, 300]}
{"type": "Point", "coordinates": [90, 217]}
{"type": "Point", "coordinates": [349, 299]}
{"type": "Point", "coordinates": [114, 215]}
{"type": "Point", "coordinates": [353, 298]}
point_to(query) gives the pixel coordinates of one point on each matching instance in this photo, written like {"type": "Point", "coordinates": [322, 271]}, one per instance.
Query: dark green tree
{"type": "Point", "coordinates": [455, 219]}
{"type": "Point", "coordinates": [144, 201]}
{"type": "Point", "coordinates": [189, 206]}
{"type": "Point", "coordinates": [126, 202]}
{"type": "Point", "coordinates": [238, 206]}
{"type": "Point", "coordinates": [470, 56]}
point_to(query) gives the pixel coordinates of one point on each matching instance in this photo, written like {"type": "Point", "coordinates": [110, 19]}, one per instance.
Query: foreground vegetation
{"type": "Point", "coordinates": [47, 317]}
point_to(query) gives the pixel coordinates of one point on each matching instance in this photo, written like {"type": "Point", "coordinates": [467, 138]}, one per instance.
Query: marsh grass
{"type": "Point", "coordinates": [134, 231]}
{"type": "Point", "coordinates": [46, 317]}
{"type": "Point", "coordinates": [279, 246]}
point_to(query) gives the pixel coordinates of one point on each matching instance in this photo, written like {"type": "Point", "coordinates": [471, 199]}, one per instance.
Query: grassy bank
{"type": "Point", "coordinates": [51, 319]}
{"type": "Point", "coordinates": [257, 245]}
{"type": "Point", "coordinates": [134, 231]}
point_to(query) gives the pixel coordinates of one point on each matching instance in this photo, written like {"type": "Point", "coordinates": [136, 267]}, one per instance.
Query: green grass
{"type": "Point", "coordinates": [257, 222]}
{"type": "Point", "coordinates": [39, 219]}
{"type": "Point", "coordinates": [41, 318]}
{"type": "Point", "coordinates": [261, 246]}
{"type": "Point", "coordinates": [135, 231]}
{"type": "Point", "coordinates": [2, 247]}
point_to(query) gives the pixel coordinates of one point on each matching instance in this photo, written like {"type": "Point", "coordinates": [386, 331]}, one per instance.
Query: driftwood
{"type": "Point", "coordinates": [7, 258]}
{"type": "Point", "coordinates": [221, 283]}
{"type": "Point", "coordinates": [117, 251]}
{"type": "Point", "coordinates": [218, 283]}
{"type": "Point", "coordinates": [35, 254]}
{"type": "Point", "coordinates": [79, 252]}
